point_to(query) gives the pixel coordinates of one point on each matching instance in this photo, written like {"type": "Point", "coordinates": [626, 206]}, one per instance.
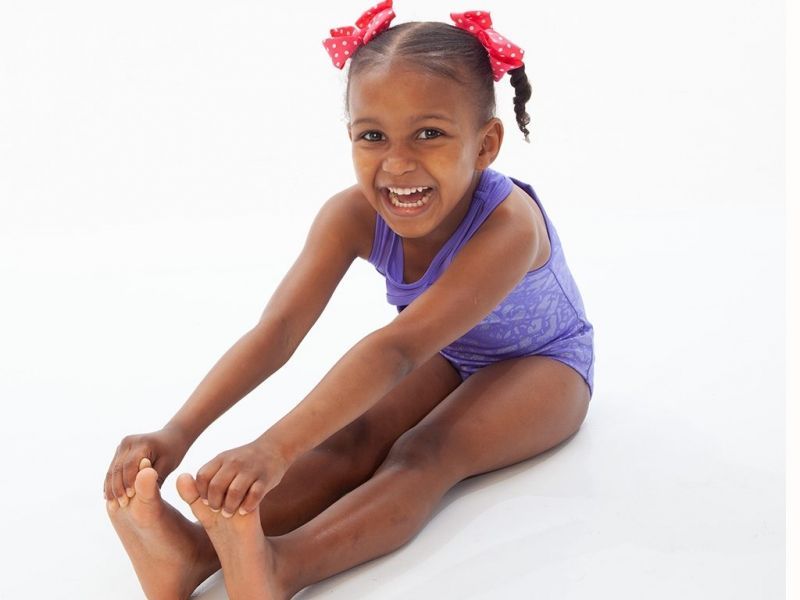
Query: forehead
{"type": "Point", "coordinates": [389, 92]}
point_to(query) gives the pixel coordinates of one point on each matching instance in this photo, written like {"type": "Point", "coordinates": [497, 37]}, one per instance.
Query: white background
{"type": "Point", "coordinates": [160, 164]}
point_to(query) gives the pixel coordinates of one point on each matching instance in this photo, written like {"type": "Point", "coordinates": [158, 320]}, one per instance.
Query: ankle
{"type": "Point", "coordinates": [287, 578]}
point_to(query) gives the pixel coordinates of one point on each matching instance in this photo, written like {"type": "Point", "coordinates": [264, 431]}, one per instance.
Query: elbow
{"type": "Point", "coordinates": [394, 348]}
{"type": "Point", "coordinates": [278, 337]}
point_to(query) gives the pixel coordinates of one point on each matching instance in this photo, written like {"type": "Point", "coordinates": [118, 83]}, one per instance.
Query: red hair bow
{"type": "Point", "coordinates": [504, 55]}
{"type": "Point", "coordinates": [346, 40]}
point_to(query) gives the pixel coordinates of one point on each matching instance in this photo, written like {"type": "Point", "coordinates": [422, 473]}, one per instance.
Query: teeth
{"type": "Point", "coordinates": [418, 203]}
{"type": "Point", "coordinates": [393, 197]}
{"type": "Point", "coordinates": [405, 191]}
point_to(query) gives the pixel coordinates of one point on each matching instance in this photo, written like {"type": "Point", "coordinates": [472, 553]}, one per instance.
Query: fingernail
{"type": "Point", "coordinates": [130, 492]}
{"type": "Point", "coordinates": [205, 501]}
{"type": "Point", "coordinates": [226, 514]}
{"type": "Point", "coordinates": [242, 511]}
{"type": "Point", "coordinates": [214, 509]}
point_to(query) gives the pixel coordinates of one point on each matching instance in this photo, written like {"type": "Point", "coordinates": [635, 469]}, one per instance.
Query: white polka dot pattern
{"type": "Point", "coordinates": [479, 24]}
{"type": "Point", "coordinates": [369, 24]}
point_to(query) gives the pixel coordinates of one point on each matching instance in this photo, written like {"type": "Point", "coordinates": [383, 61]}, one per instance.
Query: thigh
{"type": "Point", "coordinates": [367, 440]}
{"type": "Point", "coordinates": [504, 413]}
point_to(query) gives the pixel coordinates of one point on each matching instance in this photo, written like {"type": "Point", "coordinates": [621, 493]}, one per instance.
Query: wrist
{"type": "Point", "coordinates": [269, 444]}
{"type": "Point", "coordinates": [184, 436]}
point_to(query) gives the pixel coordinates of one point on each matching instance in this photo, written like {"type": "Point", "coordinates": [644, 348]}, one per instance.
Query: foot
{"type": "Point", "coordinates": [170, 554]}
{"type": "Point", "coordinates": [247, 557]}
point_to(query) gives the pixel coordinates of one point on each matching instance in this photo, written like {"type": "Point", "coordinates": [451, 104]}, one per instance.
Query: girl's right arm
{"type": "Point", "coordinates": [333, 242]}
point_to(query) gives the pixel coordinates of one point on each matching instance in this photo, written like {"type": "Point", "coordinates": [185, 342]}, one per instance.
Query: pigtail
{"type": "Point", "coordinates": [522, 93]}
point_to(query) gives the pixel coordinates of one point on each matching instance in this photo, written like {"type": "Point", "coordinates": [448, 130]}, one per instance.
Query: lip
{"type": "Point", "coordinates": [406, 212]}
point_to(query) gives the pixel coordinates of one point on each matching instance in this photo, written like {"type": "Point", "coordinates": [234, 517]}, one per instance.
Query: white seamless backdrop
{"type": "Point", "coordinates": [161, 162]}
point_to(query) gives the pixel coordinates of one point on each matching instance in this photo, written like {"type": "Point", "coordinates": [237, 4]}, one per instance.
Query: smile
{"type": "Point", "coordinates": [412, 197]}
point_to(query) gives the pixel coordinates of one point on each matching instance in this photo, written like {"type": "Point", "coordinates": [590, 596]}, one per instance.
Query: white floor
{"type": "Point", "coordinates": [672, 488]}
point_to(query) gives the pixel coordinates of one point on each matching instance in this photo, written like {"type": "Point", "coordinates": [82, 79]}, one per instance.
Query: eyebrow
{"type": "Point", "coordinates": [439, 116]}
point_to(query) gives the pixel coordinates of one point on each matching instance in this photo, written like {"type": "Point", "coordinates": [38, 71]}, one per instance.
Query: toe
{"type": "Point", "coordinates": [146, 486]}
{"type": "Point", "coordinates": [187, 488]}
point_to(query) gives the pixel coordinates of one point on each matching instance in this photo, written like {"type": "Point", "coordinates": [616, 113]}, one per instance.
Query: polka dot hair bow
{"type": "Point", "coordinates": [345, 40]}
{"type": "Point", "coordinates": [503, 54]}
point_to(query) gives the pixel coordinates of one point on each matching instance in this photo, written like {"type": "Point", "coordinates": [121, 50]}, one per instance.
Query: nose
{"type": "Point", "coordinates": [398, 164]}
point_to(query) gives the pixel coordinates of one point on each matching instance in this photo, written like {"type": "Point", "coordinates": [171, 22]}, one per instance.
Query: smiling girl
{"type": "Point", "coordinates": [488, 362]}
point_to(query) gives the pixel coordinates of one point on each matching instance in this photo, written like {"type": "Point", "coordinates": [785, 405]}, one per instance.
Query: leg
{"type": "Point", "coordinates": [172, 555]}
{"type": "Point", "coordinates": [351, 456]}
{"type": "Point", "coordinates": [503, 414]}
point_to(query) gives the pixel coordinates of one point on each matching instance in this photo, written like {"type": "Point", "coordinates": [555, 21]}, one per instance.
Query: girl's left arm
{"type": "Point", "coordinates": [483, 272]}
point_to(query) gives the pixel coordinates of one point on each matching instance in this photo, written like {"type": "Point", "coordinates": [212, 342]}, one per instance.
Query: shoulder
{"type": "Point", "coordinates": [349, 214]}
{"type": "Point", "coordinates": [520, 216]}
{"type": "Point", "coordinates": [517, 209]}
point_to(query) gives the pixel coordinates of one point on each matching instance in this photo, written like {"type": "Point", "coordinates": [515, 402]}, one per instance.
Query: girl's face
{"type": "Point", "coordinates": [411, 129]}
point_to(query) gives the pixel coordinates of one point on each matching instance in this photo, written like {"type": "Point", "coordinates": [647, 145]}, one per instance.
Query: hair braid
{"type": "Point", "coordinates": [522, 93]}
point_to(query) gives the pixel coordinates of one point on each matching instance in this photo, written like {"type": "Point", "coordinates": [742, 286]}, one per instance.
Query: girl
{"type": "Point", "coordinates": [489, 361]}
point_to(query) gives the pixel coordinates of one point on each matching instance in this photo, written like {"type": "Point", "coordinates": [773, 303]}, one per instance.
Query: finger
{"type": "Point", "coordinates": [129, 471]}
{"type": "Point", "coordinates": [118, 471]}
{"type": "Point", "coordinates": [218, 486]}
{"type": "Point", "coordinates": [107, 486]}
{"type": "Point", "coordinates": [235, 494]}
{"type": "Point", "coordinates": [204, 476]}
{"type": "Point", "coordinates": [253, 498]}
{"type": "Point", "coordinates": [117, 487]}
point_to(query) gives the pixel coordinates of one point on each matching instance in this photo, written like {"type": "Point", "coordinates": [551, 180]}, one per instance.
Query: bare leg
{"type": "Point", "coordinates": [151, 529]}
{"type": "Point", "coordinates": [375, 519]}
{"type": "Point", "coordinates": [351, 456]}
{"type": "Point", "coordinates": [172, 555]}
{"type": "Point", "coordinates": [506, 413]}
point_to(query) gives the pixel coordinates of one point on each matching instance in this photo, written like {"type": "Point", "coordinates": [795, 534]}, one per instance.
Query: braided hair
{"type": "Point", "coordinates": [446, 51]}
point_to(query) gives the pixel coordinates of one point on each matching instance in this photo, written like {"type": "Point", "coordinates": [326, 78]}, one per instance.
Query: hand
{"type": "Point", "coordinates": [239, 479]}
{"type": "Point", "coordinates": [164, 449]}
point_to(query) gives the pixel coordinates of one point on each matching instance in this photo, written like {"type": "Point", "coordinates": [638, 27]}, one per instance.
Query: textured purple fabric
{"type": "Point", "coordinates": [543, 315]}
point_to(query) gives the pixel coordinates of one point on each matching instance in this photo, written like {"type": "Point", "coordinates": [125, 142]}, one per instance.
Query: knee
{"type": "Point", "coordinates": [418, 448]}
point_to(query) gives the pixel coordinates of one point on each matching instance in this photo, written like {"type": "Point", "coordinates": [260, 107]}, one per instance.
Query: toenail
{"type": "Point", "coordinates": [242, 511]}
{"type": "Point", "coordinates": [214, 509]}
{"type": "Point", "coordinates": [226, 514]}
{"type": "Point", "coordinates": [123, 500]}
{"type": "Point", "coordinates": [130, 492]}
{"type": "Point", "coordinates": [205, 501]}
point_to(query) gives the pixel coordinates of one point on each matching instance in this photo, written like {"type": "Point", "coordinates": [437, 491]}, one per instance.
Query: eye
{"type": "Point", "coordinates": [366, 136]}
{"type": "Point", "coordinates": [430, 133]}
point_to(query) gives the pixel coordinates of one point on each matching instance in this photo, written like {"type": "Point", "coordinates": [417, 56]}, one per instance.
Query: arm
{"type": "Point", "coordinates": [463, 295]}
{"type": "Point", "coordinates": [333, 242]}
{"type": "Point", "coordinates": [292, 310]}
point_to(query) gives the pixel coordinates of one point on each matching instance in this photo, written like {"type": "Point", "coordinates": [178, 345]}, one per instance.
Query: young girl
{"type": "Point", "coordinates": [489, 361]}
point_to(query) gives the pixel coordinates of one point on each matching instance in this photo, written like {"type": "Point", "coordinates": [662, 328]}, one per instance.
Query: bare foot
{"type": "Point", "coordinates": [170, 554]}
{"type": "Point", "coordinates": [248, 560]}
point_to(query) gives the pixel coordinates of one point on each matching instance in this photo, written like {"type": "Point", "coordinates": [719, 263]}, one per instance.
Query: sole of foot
{"type": "Point", "coordinates": [170, 554]}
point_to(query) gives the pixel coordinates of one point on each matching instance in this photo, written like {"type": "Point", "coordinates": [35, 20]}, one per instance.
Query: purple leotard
{"type": "Point", "coordinates": [543, 315]}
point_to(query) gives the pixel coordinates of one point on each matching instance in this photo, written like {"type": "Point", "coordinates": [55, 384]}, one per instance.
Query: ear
{"type": "Point", "coordinates": [490, 139]}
